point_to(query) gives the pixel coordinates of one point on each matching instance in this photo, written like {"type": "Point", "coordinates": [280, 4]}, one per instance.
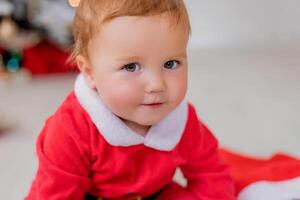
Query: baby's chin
{"type": "Point", "coordinates": [149, 121]}
{"type": "Point", "coordinates": [143, 118]}
{"type": "Point", "coordinates": [144, 121]}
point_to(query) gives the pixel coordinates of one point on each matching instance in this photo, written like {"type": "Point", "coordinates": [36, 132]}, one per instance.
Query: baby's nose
{"type": "Point", "coordinates": [155, 83]}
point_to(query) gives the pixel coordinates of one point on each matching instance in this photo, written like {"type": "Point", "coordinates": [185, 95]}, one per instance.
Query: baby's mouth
{"type": "Point", "coordinates": [152, 105]}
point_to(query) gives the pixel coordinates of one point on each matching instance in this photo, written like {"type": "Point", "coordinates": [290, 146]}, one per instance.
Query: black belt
{"type": "Point", "coordinates": [151, 197]}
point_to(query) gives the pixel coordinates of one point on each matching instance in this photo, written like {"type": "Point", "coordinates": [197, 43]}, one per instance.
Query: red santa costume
{"type": "Point", "coordinates": [84, 148]}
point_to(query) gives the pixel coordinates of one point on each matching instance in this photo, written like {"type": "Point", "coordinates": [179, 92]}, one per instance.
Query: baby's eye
{"type": "Point", "coordinates": [171, 64]}
{"type": "Point", "coordinates": [132, 67]}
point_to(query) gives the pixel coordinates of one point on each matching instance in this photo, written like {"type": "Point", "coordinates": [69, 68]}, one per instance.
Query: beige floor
{"type": "Point", "coordinates": [249, 98]}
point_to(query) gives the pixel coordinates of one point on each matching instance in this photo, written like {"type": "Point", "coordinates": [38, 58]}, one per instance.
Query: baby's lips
{"type": "Point", "coordinates": [153, 103]}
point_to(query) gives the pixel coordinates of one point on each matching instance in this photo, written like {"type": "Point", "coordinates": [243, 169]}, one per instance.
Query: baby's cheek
{"type": "Point", "coordinates": [178, 90]}
{"type": "Point", "coordinates": [121, 98]}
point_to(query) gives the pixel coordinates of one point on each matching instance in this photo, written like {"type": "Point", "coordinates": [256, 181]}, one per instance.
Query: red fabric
{"type": "Point", "coordinates": [246, 170]}
{"type": "Point", "coordinates": [75, 159]}
{"type": "Point", "coordinates": [174, 191]}
{"type": "Point", "coordinates": [46, 58]}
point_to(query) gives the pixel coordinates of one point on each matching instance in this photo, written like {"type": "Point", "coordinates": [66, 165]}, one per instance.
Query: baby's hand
{"type": "Point", "coordinates": [74, 3]}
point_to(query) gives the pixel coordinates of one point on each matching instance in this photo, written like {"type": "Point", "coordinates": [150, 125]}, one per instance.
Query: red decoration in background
{"type": "Point", "coordinates": [246, 170]}
{"type": "Point", "coordinates": [46, 58]}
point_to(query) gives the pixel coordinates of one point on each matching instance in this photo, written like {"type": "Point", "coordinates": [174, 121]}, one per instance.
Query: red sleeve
{"type": "Point", "coordinates": [208, 177]}
{"type": "Point", "coordinates": [64, 160]}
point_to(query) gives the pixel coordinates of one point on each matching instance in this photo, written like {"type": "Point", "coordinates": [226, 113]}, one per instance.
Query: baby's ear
{"type": "Point", "coordinates": [86, 69]}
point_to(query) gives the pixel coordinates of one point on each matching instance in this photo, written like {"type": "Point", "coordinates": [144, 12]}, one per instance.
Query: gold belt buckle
{"type": "Point", "coordinates": [138, 198]}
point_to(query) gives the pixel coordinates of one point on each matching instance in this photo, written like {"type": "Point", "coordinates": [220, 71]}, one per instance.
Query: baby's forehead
{"type": "Point", "coordinates": [163, 21]}
{"type": "Point", "coordinates": [146, 39]}
{"type": "Point", "coordinates": [93, 15]}
{"type": "Point", "coordinates": [145, 31]}
{"type": "Point", "coordinates": [129, 22]}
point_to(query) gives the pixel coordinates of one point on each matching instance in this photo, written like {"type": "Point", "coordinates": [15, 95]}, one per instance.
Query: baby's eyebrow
{"type": "Point", "coordinates": [125, 58]}
{"type": "Point", "coordinates": [181, 55]}
{"type": "Point", "coordinates": [132, 58]}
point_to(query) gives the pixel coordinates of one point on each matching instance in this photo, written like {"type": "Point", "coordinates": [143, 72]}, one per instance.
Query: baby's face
{"type": "Point", "coordinates": [139, 67]}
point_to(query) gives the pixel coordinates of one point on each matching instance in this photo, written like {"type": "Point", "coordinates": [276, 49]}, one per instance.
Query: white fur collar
{"type": "Point", "coordinates": [163, 136]}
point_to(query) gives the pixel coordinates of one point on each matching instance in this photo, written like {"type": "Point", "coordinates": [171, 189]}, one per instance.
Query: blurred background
{"type": "Point", "coordinates": [244, 59]}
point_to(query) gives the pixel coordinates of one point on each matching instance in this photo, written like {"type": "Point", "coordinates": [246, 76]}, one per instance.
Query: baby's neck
{"type": "Point", "coordinates": [140, 129]}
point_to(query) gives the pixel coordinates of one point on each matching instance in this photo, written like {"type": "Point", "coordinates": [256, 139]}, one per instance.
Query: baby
{"type": "Point", "coordinates": [126, 127]}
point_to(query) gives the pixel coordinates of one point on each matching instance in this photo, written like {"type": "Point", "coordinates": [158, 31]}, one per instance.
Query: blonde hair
{"type": "Point", "coordinates": [91, 14]}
